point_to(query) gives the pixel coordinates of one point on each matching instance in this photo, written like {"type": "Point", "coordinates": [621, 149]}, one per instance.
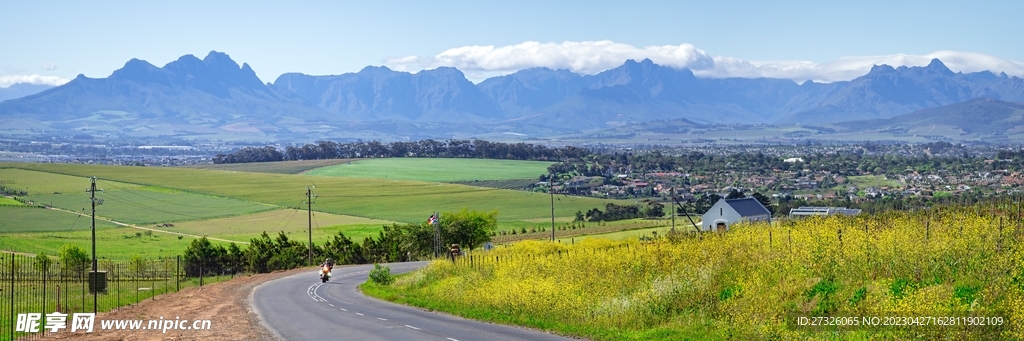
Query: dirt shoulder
{"type": "Point", "coordinates": [225, 304]}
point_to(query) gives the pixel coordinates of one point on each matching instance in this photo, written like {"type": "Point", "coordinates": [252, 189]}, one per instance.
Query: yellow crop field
{"type": "Point", "coordinates": [757, 281]}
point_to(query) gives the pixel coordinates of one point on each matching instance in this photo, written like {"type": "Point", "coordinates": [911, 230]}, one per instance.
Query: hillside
{"type": "Point", "coordinates": [982, 116]}
{"type": "Point", "coordinates": [189, 96]}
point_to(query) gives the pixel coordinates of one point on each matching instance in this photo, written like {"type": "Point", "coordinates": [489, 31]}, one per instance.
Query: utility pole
{"type": "Point", "coordinates": [551, 190]}
{"type": "Point", "coordinates": [437, 233]}
{"type": "Point", "coordinates": [672, 193]}
{"type": "Point", "coordinates": [95, 201]}
{"type": "Point", "coordinates": [309, 212]}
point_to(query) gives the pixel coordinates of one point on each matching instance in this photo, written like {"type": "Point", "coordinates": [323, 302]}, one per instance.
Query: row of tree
{"type": "Point", "coordinates": [425, 148]}
{"type": "Point", "coordinates": [395, 243]}
{"type": "Point", "coordinates": [646, 209]}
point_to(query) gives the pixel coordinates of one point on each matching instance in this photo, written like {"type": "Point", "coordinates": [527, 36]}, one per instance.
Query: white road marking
{"type": "Point", "coordinates": [343, 309]}
{"type": "Point", "coordinates": [360, 314]}
{"type": "Point", "coordinates": [452, 339]}
{"type": "Point", "coordinates": [330, 304]}
{"type": "Point", "coordinates": [412, 327]}
{"type": "Point", "coordinates": [382, 319]}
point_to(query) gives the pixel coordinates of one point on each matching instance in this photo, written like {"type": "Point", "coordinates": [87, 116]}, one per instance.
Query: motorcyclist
{"type": "Point", "coordinates": [328, 263]}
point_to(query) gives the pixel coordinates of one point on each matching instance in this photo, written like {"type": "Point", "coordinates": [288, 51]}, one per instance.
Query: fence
{"type": "Point", "coordinates": [31, 285]}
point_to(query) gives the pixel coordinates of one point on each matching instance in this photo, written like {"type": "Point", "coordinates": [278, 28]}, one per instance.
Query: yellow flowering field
{"type": "Point", "coordinates": [948, 272]}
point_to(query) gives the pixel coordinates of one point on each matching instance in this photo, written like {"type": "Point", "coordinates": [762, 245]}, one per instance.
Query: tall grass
{"type": "Point", "coordinates": [753, 282]}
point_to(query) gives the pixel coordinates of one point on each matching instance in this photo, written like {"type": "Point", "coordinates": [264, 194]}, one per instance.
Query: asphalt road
{"type": "Point", "coordinates": [299, 307]}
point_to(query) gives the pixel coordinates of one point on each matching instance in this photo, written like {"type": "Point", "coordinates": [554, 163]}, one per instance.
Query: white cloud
{"type": "Point", "coordinates": [6, 81]}
{"type": "Point", "coordinates": [591, 57]}
{"type": "Point", "coordinates": [49, 66]}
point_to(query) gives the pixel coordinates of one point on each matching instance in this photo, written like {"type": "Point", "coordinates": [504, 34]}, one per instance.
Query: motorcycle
{"type": "Point", "coordinates": [325, 274]}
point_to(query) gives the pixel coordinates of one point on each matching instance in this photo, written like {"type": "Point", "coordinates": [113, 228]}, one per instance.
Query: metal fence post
{"type": "Point", "coordinates": [45, 272]}
{"type": "Point", "coordinates": [12, 295]}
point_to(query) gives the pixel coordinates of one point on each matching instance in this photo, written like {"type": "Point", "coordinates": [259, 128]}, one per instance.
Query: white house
{"type": "Point", "coordinates": [726, 212]}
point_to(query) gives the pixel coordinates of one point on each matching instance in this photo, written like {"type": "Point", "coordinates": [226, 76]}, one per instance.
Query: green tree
{"type": "Point", "coordinates": [42, 262]}
{"type": "Point", "coordinates": [74, 260]}
{"type": "Point", "coordinates": [202, 257]}
{"type": "Point", "coordinates": [469, 229]}
{"type": "Point", "coordinates": [343, 250]}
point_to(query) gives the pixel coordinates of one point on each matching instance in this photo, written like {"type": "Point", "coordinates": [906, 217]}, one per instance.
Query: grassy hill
{"type": "Point", "coordinates": [436, 169]}
{"type": "Point", "coordinates": [393, 200]}
{"type": "Point", "coordinates": [239, 205]}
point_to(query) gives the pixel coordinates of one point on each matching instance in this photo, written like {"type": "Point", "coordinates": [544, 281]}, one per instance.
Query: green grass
{"type": "Point", "coordinates": [436, 170]}
{"type": "Point", "coordinates": [148, 206]}
{"type": "Point", "coordinates": [113, 243]}
{"type": "Point", "coordinates": [36, 183]}
{"type": "Point", "coordinates": [627, 229]}
{"type": "Point", "coordinates": [293, 222]}
{"type": "Point", "coordinates": [74, 295]}
{"type": "Point", "coordinates": [864, 181]}
{"type": "Point", "coordinates": [10, 201]}
{"type": "Point", "coordinates": [622, 235]}
{"type": "Point", "coordinates": [37, 219]}
{"type": "Point", "coordinates": [279, 167]}
{"type": "Point", "coordinates": [393, 200]}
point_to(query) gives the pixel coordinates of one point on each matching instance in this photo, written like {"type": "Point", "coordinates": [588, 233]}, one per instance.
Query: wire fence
{"type": "Point", "coordinates": [32, 285]}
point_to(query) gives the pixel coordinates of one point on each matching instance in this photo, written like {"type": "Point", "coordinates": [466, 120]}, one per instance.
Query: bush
{"type": "Point", "coordinates": [381, 275]}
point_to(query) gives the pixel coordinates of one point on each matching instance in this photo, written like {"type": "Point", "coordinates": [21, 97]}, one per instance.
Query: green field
{"type": "Point", "coordinates": [864, 181]}
{"type": "Point", "coordinates": [279, 167]}
{"type": "Point", "coordinates": [238, 206]}
{"type": "Point", "coordinates": [291, 221]}
{"type": "Point", "coordinates": [10, 201]}
{"type": "Point", "coordinates": [37, 219]}
{"type": "Point", "coordinates": [436, 170]}
{"type": "Point", "coordinates": [37, 183]}
{"type": "Point", "coordinates": [112, 243]}
{"type": "Point", "coordinates": [393, 200]}
{"type": "Point", "coordinates": [147, 206]}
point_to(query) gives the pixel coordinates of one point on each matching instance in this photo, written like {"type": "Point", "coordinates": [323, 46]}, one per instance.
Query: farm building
{"type": "Point", "coordinates": [726, 212]}
{"type": "Point", "coordinates": [804, 211]}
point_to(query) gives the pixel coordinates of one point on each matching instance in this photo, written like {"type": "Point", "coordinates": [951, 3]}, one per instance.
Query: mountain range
{"type": "Point", "coordinates": [214, 96]}
{"type": "Point", "coordinates": [19, 90]}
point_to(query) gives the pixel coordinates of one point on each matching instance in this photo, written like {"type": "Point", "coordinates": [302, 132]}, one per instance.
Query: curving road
{"type": "Point", "coordinates": [299, 307]}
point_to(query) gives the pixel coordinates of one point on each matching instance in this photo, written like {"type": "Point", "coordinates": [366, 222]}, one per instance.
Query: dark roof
{"type": "Point", "coordinates": [748, 207]}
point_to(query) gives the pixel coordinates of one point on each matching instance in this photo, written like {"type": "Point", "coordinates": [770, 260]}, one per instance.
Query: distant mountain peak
{"type": "Point", "coordinates": [221, 57]}
{"type": "Point", "coordinates": [373, 68]}
{"type": "Point", "coordinates": [881, 69]}
{"type": "Point", "coordinates": [936, 65]}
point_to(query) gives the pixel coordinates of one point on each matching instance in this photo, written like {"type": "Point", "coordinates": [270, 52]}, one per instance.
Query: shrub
{"type": "Point", "coordinates": [381, 275]}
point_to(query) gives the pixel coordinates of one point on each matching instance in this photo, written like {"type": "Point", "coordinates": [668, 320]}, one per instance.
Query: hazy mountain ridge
{"type": "Point", "coordinates": [188, 94]}
{"type": "Point", "coordinates": [984, 116]}
{"type": "Point", "coordinates": [19, 90]}
{"type": "Point", "coordinates": [192, 96]}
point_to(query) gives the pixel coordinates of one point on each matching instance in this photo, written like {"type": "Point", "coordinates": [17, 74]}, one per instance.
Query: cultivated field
{"type": "Point", "coordinates": [10, 201]}
{"type": "Point", "coordinates": [436, 169]}
{"type": "Point", "coordinates": [292, 221]}
{"type": "Point", "coordinates": [38, 219]}
{"type": "Point", "coordinates": [145, 206]}
{"type": "Point", "coordinates": [394, 200]}
{"type": "Point", "coordinates": [236, 206]}
{"type": "Point", "coordinates": [279, 167]}
{"type": "Point", "coordinates": [113, 243]}
{"type": "Point", "coordinates": [865, 181]}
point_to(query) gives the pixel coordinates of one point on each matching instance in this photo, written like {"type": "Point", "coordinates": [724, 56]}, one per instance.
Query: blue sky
{"type": "Point", "coordinates": [821, 40]}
